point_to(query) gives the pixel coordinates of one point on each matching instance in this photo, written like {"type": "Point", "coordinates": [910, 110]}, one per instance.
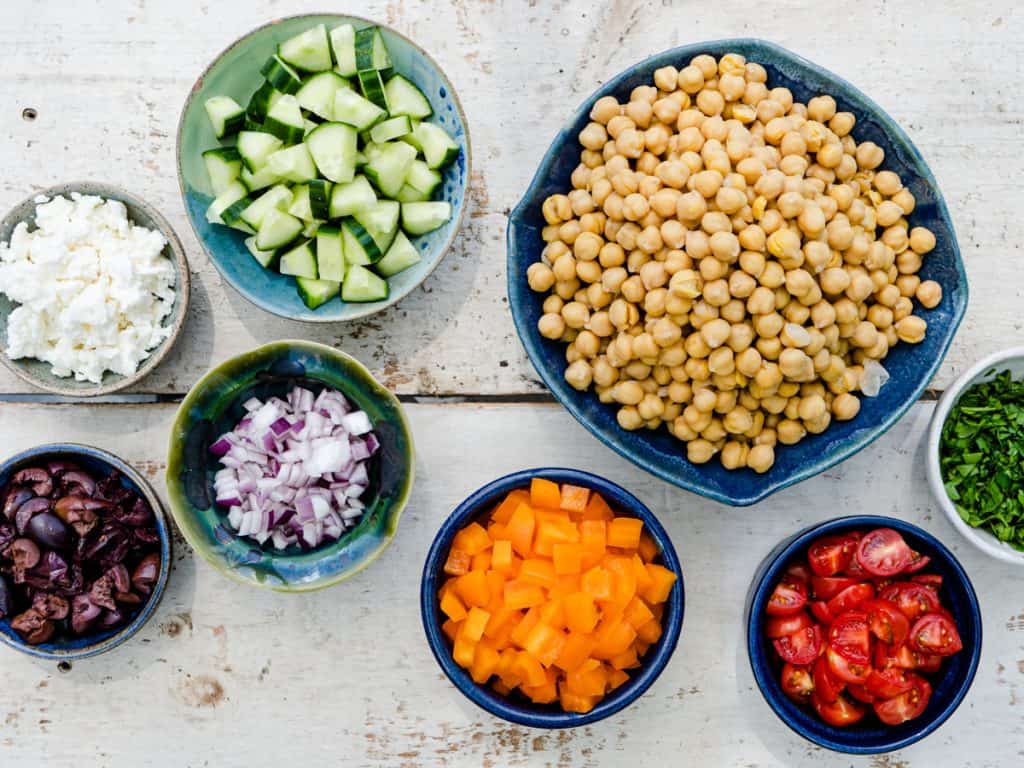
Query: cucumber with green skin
{"type": "Point", "coordinates": [223, 166]}
{"type": "Point", "coordinates": [309, 50]}
{"type": "Point", "coordinates": [226, 115]}
{"type": "Point", "coordinates": [315, 293]}
{"type": "Point", "coordinates": [280, 74]}
{"type": "Point", "coordinates": [362, 285]}
{"type": "Point", "coordinates": [400, 256]}
{"type": "Point", "coordinates": [299, 261]}
{"type": "Point", "coordinates": [371, 52]}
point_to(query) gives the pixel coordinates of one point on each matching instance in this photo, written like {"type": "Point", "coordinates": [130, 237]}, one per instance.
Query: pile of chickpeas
{"type": "Point", "coordinates": [728, 262]}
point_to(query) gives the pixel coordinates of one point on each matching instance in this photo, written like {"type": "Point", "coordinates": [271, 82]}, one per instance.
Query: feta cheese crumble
{"type": "Point", "coordinates": [94, 289]}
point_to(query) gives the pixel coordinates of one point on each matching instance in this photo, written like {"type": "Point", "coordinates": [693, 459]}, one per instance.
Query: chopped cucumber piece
{"type": "Point", "coordinates": [261, 101]}
{"type": "Point", "coordinates": [359, 246]}
{"type": "Point", "coordinates": [409, 194]}
{"type": "Point", "coordinates": [390, 129]}
{"type": "Point", "coordinates": [223, 165]}
{"type": "Point", "coordinates": [320, 198]}
{"type": "Point", "coordinates": [266, 259]}
{"type": "Point", "coordinates": [330, 254]}
{"type": "Point", "coordinates": [410, 138]}
{"type": "Point", "coordinates": [401, 255]}
{"type": "Point", "coordinates": [255, 147]}
{"type": "Point", "coordinates": [420, 218]}
{"type": "Point", "coordinates": [350, 198]}
{"type": "Point", "coordinates": [310, 228]}
{"type": "Point", "coordinates": [278, 197]}
{"type": "Point", "coordinates": [333, 147]}
{"type": "Point", "coordinates": [300, 206]}
{"type": "Point", "coordinates": [343, 44]}
{"type": "Point", "coordinates": [371, 53]}
{"type": "Point", "coordinates": [316, 292]}
{"type": "Point", "coordinates": [317, 93]}
{"type": "Point", "coordinates": [232, 215]}
{"type": "Point", "coordinates": [308, 127]}
{"type": "Point", "coordinates": [352, 109]}
{"type": "Point", "coordinates": [372, 86]}
{"type": "Point", "coordinates": [226, 115]}
{"type": "Point", "coordinates": [438, 147]}
{"type": "Point", "coordinates": [264, 177]}
{"type": "Point", "coordinates": [381, 221]}
{"type": "Point", "coordinates": [293, 164]}
{"type": "Point", "coordinates": [277, 230]}
{"type": "Point", "coordinates": [234, 192]}
{"type": "Point", "coordinates": [309, 50]}
{"type": "Point", "coordinates": [404, 98]}
{"type": "Point", "coordinates": [422, 177]}
{"type": "Point", "coordinates": [388, 165]}
{"type": "Point", "coordinates": [285, 120]}
{"type": "Point", "coordinates": [299, 261]}
{"type": "Point", "coordinates": [362, 285]}
{"type": "Point", "coordinates": [280, 74]}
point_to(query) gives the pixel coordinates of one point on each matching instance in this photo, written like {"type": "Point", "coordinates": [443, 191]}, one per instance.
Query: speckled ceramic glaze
{"type": "Point", "coordinates": [40, 374]}
{"type": "Point", "coordinates": [99, 463]}
{"type": "Point", "coordinates": [911, 366]}
{"type": "Point", "coordinates": [950, 685]}
{"type": "Point", "coordinates": [515, 708]}
{"type": "Point", "coordinates": [236, 73]}
{"type": "Point", "coordinates": [214, 406]}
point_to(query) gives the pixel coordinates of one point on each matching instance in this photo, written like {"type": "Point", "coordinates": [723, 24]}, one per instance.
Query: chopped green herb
{"type": "Point", "coordinates": [981, 456]}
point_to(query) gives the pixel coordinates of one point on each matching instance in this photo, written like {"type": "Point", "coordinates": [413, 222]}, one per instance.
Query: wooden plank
{"type": "Point", "coordinates": [108, 83]}
{"type": "Point", "coordinates": [229, 675]}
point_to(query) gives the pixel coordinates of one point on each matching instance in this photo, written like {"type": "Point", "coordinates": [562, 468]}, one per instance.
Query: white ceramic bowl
{"type": "Point", "coordinates": [985, 370]}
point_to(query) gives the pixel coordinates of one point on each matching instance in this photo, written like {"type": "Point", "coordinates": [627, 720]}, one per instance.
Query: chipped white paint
{"type": "Point", "coordinates": [108, 78]}
{"type": "Point", "coordinates": [226, 675]}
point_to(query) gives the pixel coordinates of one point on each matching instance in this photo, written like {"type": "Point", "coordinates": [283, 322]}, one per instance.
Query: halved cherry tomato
{"type": "Point", "coordinates": [846, 670]}
{"type": "Point", "coordinates": [851, 597]}
{"type": "Point", "coordinates": [934, 634]}
{"type": "Point", "coordinates": [780, 626]}
{"type": "Point", "coordinates": [917, 562]}
{"type": "Point", "coordinates": [839, 713]}
{"type": "Point", "coordinates": [930, 580]}
{"type": "Point", "coordinates": [928, 663]}
{"type": "Point", "coordinates": [799, 571]}
{"type": "Point", "coordinates": [860, 693]}
{"type": "Point", "coordinates": [789, 597]}
{"type": "Point", "coordinates": [887, 621]}
{"type": "Point", "coordinates": [827, 587]}
{"type": "Point", "coordinates": [849, 635]}
{"type": "Point", "coordinates": [905, 657]}
{"type": "Point", "coordinates": [906, 706]}
{"type": "Point", "coordinates": [883, 552]}
{"type": "Point", "coordinates": [831, 554]}
{"type": "Point", "coordinates": [819, 608]}
{"type": "Point", "coordinates": [913, 599]}
{"type": "Point", "coordinates": [801, 647]}
{"type": "Point", "coordinates": [797, 683]}
{"type": "Point", "coordinates": [886, 683]}
{"type": "Point", "coordinates": [827, 686]}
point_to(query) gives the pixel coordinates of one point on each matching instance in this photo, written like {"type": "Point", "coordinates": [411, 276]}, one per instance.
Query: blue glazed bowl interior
{"type": "Point", "coordinates": [950, 685]}
{"type": "Point", "coordinates": [515, 708]}
{"type": "Point", "coordinates": [266, 288]}
{"type": "Point", "coordinates": [911, 365]}
{"type": "Point", "coordinates": [98, 463]}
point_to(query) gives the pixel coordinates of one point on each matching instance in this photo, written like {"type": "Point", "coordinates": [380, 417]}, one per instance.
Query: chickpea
{"type": "Point", "coordinates": [922, 240]}
{"type": "Point", "coordinates": [575, 315]}
{"type": "Point", "coordinates": [579, 375]}
{"type": "Point", "coordinates": [551, 325]}
{"type": "Point", "coordinates": [710, 102]}
{"type": "Point", "coordinates": [796, 365]}
{"type": "Point", "coordinates": [911, 329]}
{"type": "Point", "coordinates": [700, 451]}
{"type": "Point", "coordinates": [629, 418]}
{"type": "Point", "coordinates": [845, 406]}
{"type": "Point", "coordinates": [869, 155]}
{"type": "Point", "coordinates": [905, 199]}
{"type": "Point", "coordinates": [908, 285]}
{"type": "Point", "coordinates": [540, 277]}
{"type": "Point", "coordinates": [929, 293]}
{"type": "Point", "coordinates": [760, 458]}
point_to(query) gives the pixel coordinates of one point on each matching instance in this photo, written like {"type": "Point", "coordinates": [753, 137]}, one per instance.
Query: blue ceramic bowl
{"type": "Point", "coordinates": [515, 708]}
{"type": "Point", "coordinates": [236, 73]}
{"type": "Point", "coordinates": [99, 463]}
{"type": "Point", "coordinates": [949, 686]}
{"type": "Point", "coordinates": [911, 365]}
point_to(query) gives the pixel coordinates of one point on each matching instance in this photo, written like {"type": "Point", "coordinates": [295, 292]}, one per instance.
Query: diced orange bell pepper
{"type": "Point", "coordinates": [499, 618]}
{"type": "Point", "coordinates": [597, 582]}
{"type": "Point", "coordinates": [544, 643]}
{"type": "Point", "coordinates": [544, 494]}
{"type": "Point", "coordinates": [553, 528]}
{"type": "Point", "coordinates": [481, 561]}
{"type": "Point", "coordinates": [616, 678]}
{"type": "Point", "coordinates": [660, 588]}
{"type": "Point", "coordinates": [576, 650]}
{"type": "Point", "coordinates": [637, 613]}
{"type": "Point", "coordinates": [612, 638]}
{"type": "Point", "coordinates": [625, 660]}
{"type": "Point", "coordinates": [485, 661]}
{"type": "Point", "coordinates": [574, 498]}
{"type": "Point", "coordinates": [520, 594]}
{"type": "Point", "coordinates": [500, 688]}
{"type": "Point", "coordinates": [643, 579]}
{"type": "Point", "coordinates": [537, 571]}
{"type": "Point", "coordinates": [565, 585]}
{"type": "Point", "coordinates": [641, 647]}
{"type": "Point", "coordinates": [503, 512]}
{"type": "Point", "coordinates": [588, 679]}
{"type": "Point", "coordinates": [546, 693]}
{"type": "Point", "coordinates": [623, 579]}
{"type": "Point", "coordinates": [572, 702]}
{"type": "Point", "coordinates": [520, 530]}
{"type": "Point", "coordinates": [650, 632]}
{"type": "Point", "coordinates": [497, 531]}
{"type": "Point", "coordinates": [581, 613]}
{"type": "Point", "coordinates": [496, 586]}
{"type": "Point", "coordinates": [451, 629]}
{"type": "Point", "coordinates": [648, 548]}
{"type": "Point", "coordinates": [522, 629]}
{"type": "Point", "coordinates": [529, 670]}
{"type": "Point", "coordinates": [501, 556]}
{"type": "Point", "coordinates": [598, 509]}
{"type": "Point", "coordinates": [506, 668]}
{"type": "Point", "coordinates": [568, 558]}
{"type": "Point", "coordinates": [463, 651]}
{"type": "Point", "coordinates": [472, 539]}
{"type": "Point", "coordinates": [472, 588]}
{"type": "Point", "coordinates": [624, 532]}
{"type": "Point", "coordinates": [458, 562]}
{"type": "Point", "coordinates": [452, 607]}
{"type": "Point", "coordinates": [473, 626]}
{"type": "Point", "coordinates": [592, 543]}
{"type": "Point", "coordinates": [552, 613]}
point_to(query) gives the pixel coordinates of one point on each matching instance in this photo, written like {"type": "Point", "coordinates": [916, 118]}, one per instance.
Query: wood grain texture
{"type": "Point", "coordinates": [107, 79]}
{"type": "Point", "coordinates": [227, 675]}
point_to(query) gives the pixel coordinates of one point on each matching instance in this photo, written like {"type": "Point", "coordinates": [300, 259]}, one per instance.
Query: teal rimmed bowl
{"type": "Point", "coordinates": [236, 73]}
{"type": "Point", "coordinates": [214, 406]}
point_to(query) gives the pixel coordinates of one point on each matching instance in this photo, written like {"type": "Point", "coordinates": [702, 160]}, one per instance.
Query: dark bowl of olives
{"type": "Point", "coordinates": [85, 551]}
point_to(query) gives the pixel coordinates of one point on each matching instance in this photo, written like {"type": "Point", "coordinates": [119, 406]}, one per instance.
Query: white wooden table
{"type": "Point", "coordinates": [226, 675]}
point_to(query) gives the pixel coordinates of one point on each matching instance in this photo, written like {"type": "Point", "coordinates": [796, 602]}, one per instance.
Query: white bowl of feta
{"type": "Point", "coordinates": [94, 288]}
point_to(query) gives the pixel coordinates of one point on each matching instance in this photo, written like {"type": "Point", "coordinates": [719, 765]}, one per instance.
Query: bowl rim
{"type": "Point", "coordinates": [638, 684]}
{"type": "Point", "coordinates": [127, 631]}
{"type": "Point", "coordinates": [613, 438]}
{"type": "Point", "coordinates": [183, 290]}
{"type": "Point", "coordinates": [371, 308]}
{"type": "Point", "coordinates": [173, 484]}
{"type": "Point", "coordinates": [763, 582]}
{"type": "Point", "coordinates": [979, 537]}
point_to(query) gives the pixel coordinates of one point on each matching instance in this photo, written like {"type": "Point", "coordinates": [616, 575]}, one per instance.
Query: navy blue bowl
{"type": "Point", "coordinates": [911, 365]}
{"type": "Point", "coordinates": [515, 708]}
{"type": "Point", "coordinates": [950, 685]}
{"type": "Point", "coordinates": [98, 462]}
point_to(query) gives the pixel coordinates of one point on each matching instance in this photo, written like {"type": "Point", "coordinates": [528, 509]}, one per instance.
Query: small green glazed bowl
{"type": "Point", "coordinates": [214, 406]}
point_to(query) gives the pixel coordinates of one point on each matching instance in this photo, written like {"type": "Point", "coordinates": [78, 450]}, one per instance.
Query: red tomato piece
{"type": "Point", "coordinates": [935, 635]}
{"type": "Point", "coordinates": [905, 657]}
{"type": "Point", "coordinates": [789, 597]}
{"type": "Point", "coordinates": [850, 636]}
{"type": "Point", "coordinates": [927, 663]}
{"type": "Point", "coordinates": [886, 683]}
{"type": "Point", "coordinates": [906, 706]}
{"type": "Point", "coordinates": [797, 683]}
{"type": "Point", "coordinates": [913, 599]}
{"type": "Point", "coordinates": [883, 552]}
{"type": "Point", "coordinates": [887, 622]}
{"type": "Point", "coordinates": [819, 608]}
{"type": "Point", "coordinates": [839, 713]}
{"type": "Point", "coordinates": [917, 562]}
{"type": "Point", "coordinates": [846, 670]}
{"type": "Point", "coordinates": [799, 571]}
{"type": "Point", "coordinates": [831, 554]}
{"type": "Point", "coordinates": [930, 580]}
{"type": "Point", "coordinates": [780, 626]}
{"type": "Point", "coordinates": [827, 686]}
{"type": "Point", "coordinates": [851, 597]}
{"type": "Point", "coordinates": [801, 647]}
{"type": "Point", "coordinates": [860, 693]}
{"type": "Point", "coordinates": [827, 587]}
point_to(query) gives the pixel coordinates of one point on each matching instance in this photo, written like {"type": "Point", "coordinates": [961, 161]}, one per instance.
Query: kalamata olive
{"type": "Point", "coordinates": [58, 467]}
{"type": "Point", "coordinates": [127, 598]}
{"type": "Point", "coordinates": [146, 573]}
{"type": "Point", "coordinates": [49, 530]}
{"type": "Point", "coordinates": [112, 618]}
{"type": "Point", "coordinates": [50, 606]}
{"type": "Point", "coordinates": [83, 613]}
{"type": "Point", "coordinates": [27, 510]}
{"type": "Point", "coordinates": [119, 575]}
{"type": "Point", "coordinates": [15, 498]}
{"type": "Point", "coordinates": [33, 626]}
{"type": "Point", "coordinates": [109, 539]}
{"type": "Point", "coordinates": [101, 592]}
{"type": "Point", "coordinates": [24, 553]}
{"type": "Point", "coordinates": [143, 536]}
{"type": "Point", "coordinates": [6, 598]}
{"type": "Point", "coordinates": [71, 583]}
{"type": "Point", "coordinates": [138, 514]}
{"type": "Point", "coordinates": [7, 535]}
{"type": "Point", "coordinates": [78, 484]}
{"type": "Point", "coordinates": [37, 478]}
